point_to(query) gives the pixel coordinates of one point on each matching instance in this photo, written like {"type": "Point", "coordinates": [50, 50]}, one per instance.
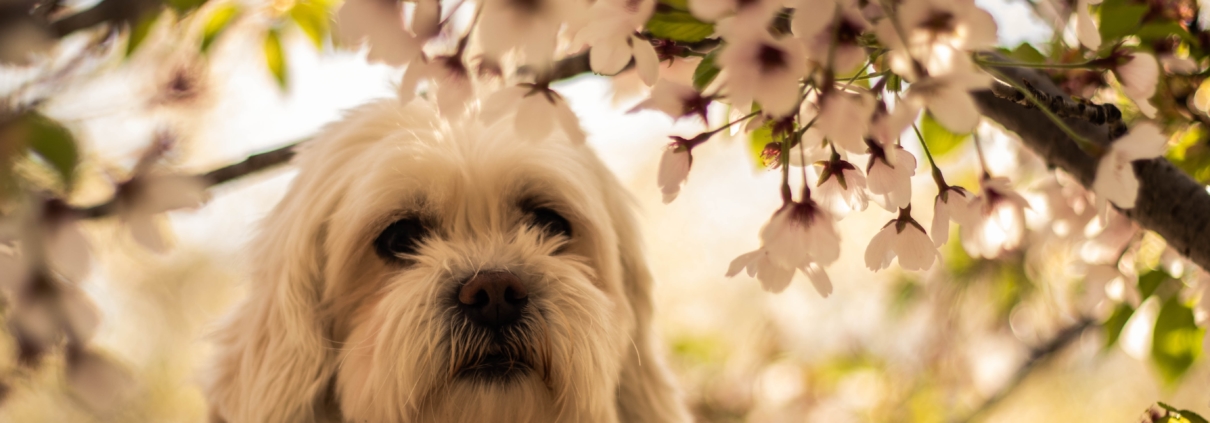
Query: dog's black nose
{"type": "Point", "coordinates": [493, 299]}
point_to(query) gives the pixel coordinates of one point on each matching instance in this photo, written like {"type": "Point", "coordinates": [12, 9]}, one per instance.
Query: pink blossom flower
{"type": "Point", "coordinates": [674, 166]}
{"type": "Point", "coordinates": [1138, 77]}
{"type": "Point", "coordinates": [762, 69]}
{"type": "Point", "coordinates": [843, 117]}
{"type": "Point", "coordinates": [381, 24]}
{"type": "Point", "coordinates": [145, 196]}
{"type": "Point", "coordinates": [904, 238]}
{"type": "Point", "coordinates": [890, 172]}
{"type": "Point", "coordinates": [816, 23]}
{"type": "Point", "coordinates": [529, 27]}
{"type": "Point", "coordinates": [747, 13]}
{"type": "Point", "coordinates": [448, 75]}
{"type": "Point", "coordinates": [996, 220]}
{"type": "Point", "coordinates": [802, 236]}
{"type": "Point", "coordinates": [532, 108]}
{"type": "Point", "coordinates": [610, 35]}
{"type": "Point", "coordinates": [940, 33]}
{"type": "Point", "coordinates": [949, 99]}
{"type": "Point", "coordinates": [1115, 179]}
{"type": "Point", "coordinates": [676, 100]}
{"type": "Point", "coordinates": [842, 188]}
{"type": "Point", "coordinates": [1086, 30]}
{"type": "Point", "coordinates": [952, 203]}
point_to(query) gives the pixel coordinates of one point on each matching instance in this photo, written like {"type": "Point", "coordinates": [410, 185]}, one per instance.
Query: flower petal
{"type": "Point", "coordinates": [646, 61]}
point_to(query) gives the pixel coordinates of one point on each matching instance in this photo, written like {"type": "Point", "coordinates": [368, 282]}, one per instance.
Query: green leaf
{"type": "Point", "coordinates": [678, 25]}
{"type": "Point", "coordinates": [138, 32]}
{"type": "Point", "coordinates": [1119, 19]}
{"type": "Point", "coordinates": [676, 4]}
{"type": "Point", "coordinates": [939, 139]}
{"type": "Point", "coordinates": [54, 144]}
{"type": "Point", "coordinates": [1154, 31]}
{"type": "Point", "coordinates": [185, 6]}
{"type": "Point", "coordinates": [312, 17]}
{"type": "Point", "coordinates": [1025, 52]}
{"type": "Point", "coordinates": [705, 72]}
{"type": "Point", "coordinates": [1182, 416]}
{"type": "Point", "coordinates": [1150, 281]}
{"type": "Point", "coordinates": [220, 19]}
{"type": "Point", "coordinates": [1176, 341]}
{"type": "Point", "coordinates": [1116, 322]}
{"type": "Point", "coordinates": [275, 57]}
{"type": "Point", "coordinates": [757, 140]}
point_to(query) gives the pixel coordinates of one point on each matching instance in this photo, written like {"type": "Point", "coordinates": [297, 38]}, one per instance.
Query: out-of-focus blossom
{"type": "Point", "coordinates": [1138, 77]}
{"type": "Point", "coordinates": [610, 35]}
{"type": "Point", "coordinates": [1067, 205]}
{"type": "Point", "coordinates": [948, 98]}
{"type": "Point", "coordinates": [1115, 180]}
{"type": "Point", "coordinates": [380, 23]}
{"type": "Point", "coordinates": [996, 220]}
{"type": "Point", "coordinates": [801, 235]}
{"type": "Point", "coordinates": [886, 128]}
{"type": "Point", "coordinates": [817, 23]}
{"type": "Point", "coordinates": [1086, 30]}
{"type": "Point", "coordinates": [902, 237]}
{"type": "Point", "coordinates": [145, 196]}
{"type": "Point", "coordinates": [761, 68]}
{"type": "Point", "coordinates": [952, 204]}
{"type": "Point", "coordinates": [890, 172]}
{"type": "Point", "coordinates": [448, 75]}
{"type": "Point", "coordinates": [843, 117]}
{"type": "Point", "coordinates": [747, 13]}
{"type": "Point", "coordinates": [676, 100]}
{"type": "Point", "coordinates": [1108, 235]}
{"type": "Point", "coordinates": [842, 188]}
{"type": "Point", "coordinates": [1179, 65]}
{"type": "Point", "coordinates": [529, 27]}
{"type": "Point", "coordinates": [98, 382]}
{"type": "Point", "coordinates": [1136, 335]}
{"type": "Point", "coordinates": [674, 168]}
{"type": "Point", "coordinates": [939, 33]}
{"type": "Point", "coordinates": [535, 109]}
{"type": "Point", "coordinates": [1107, 282]}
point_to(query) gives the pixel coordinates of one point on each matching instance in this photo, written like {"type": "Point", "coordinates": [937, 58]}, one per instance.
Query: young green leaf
{"type": "Point", "coordinates": [138, 32]}
{"type": "Point", "coordinates": [705, 72]}
{"type": "Point", "coordinates": [312, 16]}
{"type": "Point", "coordinates": [275, 57]}
{"type": "Point", "coordinates": [1150, 281]}
{"type": "Point", "coordinates": [678, 25]}
{"type": "Point", "coordinates": [939, 139]}
{"type": "Point", "coordinates": [1176, 341]}
{"type": "Point", "coordinates": [1116, 322]}
{"type": "Point", "coordinates": [1176, 415]}
{"type": "Point", "coordinates": [218, 21]}
{"type": "Point", "coordinates": [1120, 18]}
{"type": "Point", "coordinates": [54, 144]}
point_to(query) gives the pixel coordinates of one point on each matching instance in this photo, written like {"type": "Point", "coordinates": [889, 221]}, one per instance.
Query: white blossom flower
{"type": "Point", "coordinates": [940, 33]}
{"type": "Point", "coordinates": [816, 23]}
{"type": "Point", "coordinates": [1177, 64]}
{"type": "Point", "coordinates": [747, 13]}
{"type": "Point", "coordinates": [1138, 77]}
{"type": "Point", "coordinates": [1086, 30]}
{"type": "Point", "coordinates": [610, 35]}
{"type": "Point", "coordinates": [904, 238]}
{"type": "Point", "coordinates": [1115, 179]}
{"type": "Point", "coordinates": [949, 99]}
{"type": "Point", "coordinates": [952, 203]}
{"type": "Point", "coordinates": [762, 69]}
{"type": "Point", "coordinates": [676, 100]}
{"type": "Point", "coordinates": [675, 163]}
{"type": "Point", "coordinates": [530, 27]}
{"type": "Point", "coordinates": [381, 24]}
{"type": "Point", "coordinates": [842, 188]}
{"type": "Point", "coordinates": [890, 172]}
{"type": "Point", "coordinates": [532, 108]}
{"type": "Point", "coordinates": [800, 236]}
{"type": "Point", "coordinates": [996, 220]}
{"type": "Point", "coordinates": [145, 196]}
{"type": "Point", "coordinates": [448, 74]}
{"type": "Point", "coordinates": [843, 117]}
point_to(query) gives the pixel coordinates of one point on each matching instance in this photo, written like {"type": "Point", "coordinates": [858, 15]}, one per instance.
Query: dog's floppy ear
{"type": "Point", "coordinates": [274, 359]}
{"type": "Point", "coordinates": [646, 392]}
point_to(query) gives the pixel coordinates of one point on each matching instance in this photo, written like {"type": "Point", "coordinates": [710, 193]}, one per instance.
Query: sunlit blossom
{"type": "Point", "coordinates": [996, 220]}
{"type": "Point", "coordinates": [939, 33]}
{"type": "Point", "coordinates": [889, 175]}
{"type": "Point", "coordinates": [610, 36]}
{"type": "Point", "coordinates": [843, 117]}
{"type": "Point", "coordinates": [818, 23]}
{"type": "Point", "coordinates": [674, 170]}
{"type": "Point", "coordinates": [949, 99]}
{"type": "Point", "coordinates": [763, 69]}
{"type": "Point", "coordinates": [952, 204]}
{"type": "Point", "coordinates": [903, 238]}
{"type": "Point", "coordinates": [529, 27]}
{"type": "Point", "coordinates": [802, 236]}
{"type": "Point", "coordinates": [1138, 77]}
{"type": "Point", "coordinates": [676, 100]}
{"type": "Point", "coordinates": [747, 13]}
{"type": "Point", "coordinates": [842, 188]}
{"type": "Point", "coordinates": [1115, 179]}
{"type": "Point", "coordinates": [380, 24]}
{"type": "Point", "coordinates": [145, 196]}
{"type": "Point", "coordinates": [447, 75]}
{"type": "Point", "coordinates": [1086, 30]}
{"type": "Point", "coordinates": [534, 111]}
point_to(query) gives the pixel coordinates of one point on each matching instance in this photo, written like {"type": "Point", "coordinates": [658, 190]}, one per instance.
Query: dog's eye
{"type": "Point", "coordinates": [402, 237]}
{"type": "Point", "coordinates": [551, 222]}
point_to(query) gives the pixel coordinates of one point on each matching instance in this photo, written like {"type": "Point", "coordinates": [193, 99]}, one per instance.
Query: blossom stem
{"type": "Point", "coordinates": [938, 178]}
{"type": "Point", "coordinates": [1092, 64]}
{"type": "Point", "coordinates": [1080, 141]}
{"type": "Point", "coordinates": [982, 159]}
{"type": "Point", "coordinates": [728, 125]}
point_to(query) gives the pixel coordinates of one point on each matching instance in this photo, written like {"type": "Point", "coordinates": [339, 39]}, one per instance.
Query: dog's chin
{"type": "Point", "coordinates": [497, 368]}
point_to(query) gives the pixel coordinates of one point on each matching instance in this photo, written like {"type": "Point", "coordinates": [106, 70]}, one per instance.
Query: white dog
{"type": "Point", "coordinates": [419, 271]}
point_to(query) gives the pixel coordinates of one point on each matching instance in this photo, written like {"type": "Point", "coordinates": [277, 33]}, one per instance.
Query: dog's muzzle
{"type": "Point", "coordinates": [496, 342]}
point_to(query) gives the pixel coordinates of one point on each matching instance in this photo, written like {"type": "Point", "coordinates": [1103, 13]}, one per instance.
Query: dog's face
{"type": "Point", "coordinates": [422, 272]}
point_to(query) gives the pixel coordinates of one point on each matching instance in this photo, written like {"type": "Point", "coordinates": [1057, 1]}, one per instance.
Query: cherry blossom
{"type": "Point", "coordinates": [817, 23]}
{"type": "Point", "coordinates": [674, 167]}
{"type": "Point", "coordinates": [996, 220]}
{"type": "Point", "coordinates": [676, 100]}
{"type": "Point", "coordinates": [448, 75]}
{"type": "Point", "coordinates": [381, 24]}
{"type": "Point", "coordinates": [610, 35]}
{"type": "Point", "coordinates": [949, 99]}
{"type": "Point", "coordinates": [938, 35]}
{"type": "Point", "coordinates": [761, 68]}
{"type": "Point", "coordinates": [1115, 179]}
{"type": "Point", "coordinates": [529, 27]}
{"type": "Point", "coordinates": [1086, 30]}
{"type": "Point", "coordinates": [842, 188]}
{"type": "Point", "coordinates": [952, 204]}
{"type": "Point", "coordinates": [800, 235]}
{"type": "Point", "coordinates": [747, 13]}
{"type": "Point", "coordinates": [1138, 76]}
{"type": "Point", "coordinates": [843, 117]}
{"type": "Point", "coordinates": [532, 107]}
{"type": "Point", "coordinates": [902, 237]}
{"type": "Point", "coordinates": [145, 196]}
{"type": "Point", "coordinates": [890, 172]}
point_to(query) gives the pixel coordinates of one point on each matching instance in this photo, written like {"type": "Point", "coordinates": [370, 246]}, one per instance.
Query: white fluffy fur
{"type": "Point", "coordinates": [333, 333]}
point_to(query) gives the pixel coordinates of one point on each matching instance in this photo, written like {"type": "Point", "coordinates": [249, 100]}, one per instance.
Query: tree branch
{"type": "Point", "coordinates": [1170, 202]}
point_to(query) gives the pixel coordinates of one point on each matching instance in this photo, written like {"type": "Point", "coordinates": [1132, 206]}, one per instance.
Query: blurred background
{"type": "Point", "coordinates": [1017, 339]}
